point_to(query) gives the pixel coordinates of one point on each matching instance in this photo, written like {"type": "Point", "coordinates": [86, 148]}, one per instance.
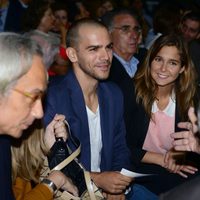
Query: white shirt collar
{"type": "Point", "coordinates": [169, 110]}
{"type": "Point", "coordinates": [129, 66]}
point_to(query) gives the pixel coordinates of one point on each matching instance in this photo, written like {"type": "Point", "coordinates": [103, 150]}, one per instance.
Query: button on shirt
{"type": "Point", "coordinates": [130, 66]}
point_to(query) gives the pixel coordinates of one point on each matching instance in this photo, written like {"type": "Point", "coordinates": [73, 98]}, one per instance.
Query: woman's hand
{"type": "Point", "coordinates": [55, 129]}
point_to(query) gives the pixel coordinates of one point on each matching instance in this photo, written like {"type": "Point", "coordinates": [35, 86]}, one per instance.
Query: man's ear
{"type": "Point", "coordinates": [71, 53]}
{"type": "Point", "coordinates": [198, 36]}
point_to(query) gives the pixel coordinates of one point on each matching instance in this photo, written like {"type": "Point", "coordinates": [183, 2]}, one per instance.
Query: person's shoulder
{"type": "Point", "coordinates": [56, 80]}
{"type": "Point", "coordinates": [115, 61]}
{"type": "Point", "coordinates": [66, 81]}
{"type": "Point", "coordinates": [57, 84]}
{"type": "Point", "coordinates": [4, 141]}
{"type": "Point", "coordinates": [111, 87]}
{"type": "Point", "coordinates": [194, 45]}
{"type": "Point", "coordinates": [109, 84]}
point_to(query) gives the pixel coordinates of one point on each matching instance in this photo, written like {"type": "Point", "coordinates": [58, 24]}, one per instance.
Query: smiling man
{"type": "Point", "coordinates": [22, 83]}
{"type": "Point", "coordinates": [94, 109]}
{"type": "Point", "coordinates": [85, 99]}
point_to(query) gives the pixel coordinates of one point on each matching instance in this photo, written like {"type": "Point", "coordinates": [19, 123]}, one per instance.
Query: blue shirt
{"type": "Point", "coordinates": [130, 66]}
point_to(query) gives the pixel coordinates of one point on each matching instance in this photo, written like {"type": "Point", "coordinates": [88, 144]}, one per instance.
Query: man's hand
{"type": "Point", "coordinates": [111, 182]}
{"type": "Point", "coordinates": [186, 140]}
{"type": "Point", "coordinates": [173, 167]}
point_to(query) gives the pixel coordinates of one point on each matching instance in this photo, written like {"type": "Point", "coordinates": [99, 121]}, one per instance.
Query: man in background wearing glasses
{"type": "Point", "coordinates": [125, 32]}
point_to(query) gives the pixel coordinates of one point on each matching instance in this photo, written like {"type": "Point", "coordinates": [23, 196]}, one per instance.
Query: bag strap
{"type": "Point", "coordinates": [67, 195]}
{"type": "Point", "coordinates": [89, 185]}
{"type": "Point", "coordinates": [68, 159]}
{"type": "Point", "coordinates": [90, 188]}
{"type": "Point", "coordinates": [73, 139]}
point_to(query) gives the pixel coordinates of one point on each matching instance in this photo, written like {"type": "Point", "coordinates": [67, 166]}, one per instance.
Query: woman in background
{"type": "Point", "coordinates": [37, 22]}
{"type": "Point", "coordinates": [28, 155]}
{"type": "Point", "coordinates": [165, 89]}
{"type": "Point", "coordinates": [59, 30]}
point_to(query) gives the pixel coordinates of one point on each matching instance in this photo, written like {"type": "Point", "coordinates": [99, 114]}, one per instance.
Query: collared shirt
{"type": "Point", "coordinates": [23, 4]}
{"type": "Point", "coordinates": [130, 67]}
{"type": "Point", "coordinates": [158, 138]}
{"type": "Point", "coordinates": [95, 138]}
{"type": "Point", "coordinates": [169, 110]}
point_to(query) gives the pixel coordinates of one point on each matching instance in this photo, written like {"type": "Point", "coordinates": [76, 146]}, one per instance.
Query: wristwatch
{"type": "Point", "coordinates": [50, 184]}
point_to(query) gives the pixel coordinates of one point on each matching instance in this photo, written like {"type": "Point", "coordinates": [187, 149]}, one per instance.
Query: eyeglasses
{"type": "Point", "coordinates": [128, 29]}
{"type": "Point", "coordinates": [33, 97]}
{"type": "Point", "coordinates": [186, 28]}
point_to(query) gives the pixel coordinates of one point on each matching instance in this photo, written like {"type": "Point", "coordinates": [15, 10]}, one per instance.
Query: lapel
{"type": "Point", "coordinates": [106, 126]}
{"type": "Point", "coordinates": [106, 120]}
{"type": "Point", "coordinates": [78, 106]}
{"type": "Point", "coordinates": [118, 69]}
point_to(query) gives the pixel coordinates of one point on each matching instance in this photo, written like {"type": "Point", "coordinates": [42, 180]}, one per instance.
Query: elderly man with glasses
{"type": "Point", "coordinates": [125, 32]}
{"type": "Point", "coordinates": [23, 80]}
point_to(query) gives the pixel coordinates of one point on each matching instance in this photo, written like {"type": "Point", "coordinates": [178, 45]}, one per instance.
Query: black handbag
{"type": "Point", "coordinates": [60, 152]}
{"type": "Point", "coordinates": [60, 159]}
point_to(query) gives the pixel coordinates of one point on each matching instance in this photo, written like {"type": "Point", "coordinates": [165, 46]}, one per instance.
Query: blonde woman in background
{"type": "Point", "coordinates": [28, 155]}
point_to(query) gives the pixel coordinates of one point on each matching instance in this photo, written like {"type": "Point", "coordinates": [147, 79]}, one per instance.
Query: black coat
{"type": "Point", "coordinates": [119, 75]}
{"type": "Point", "coordinates": [5, 169]}
{"type": "Point", "coordinates": [15, 13]}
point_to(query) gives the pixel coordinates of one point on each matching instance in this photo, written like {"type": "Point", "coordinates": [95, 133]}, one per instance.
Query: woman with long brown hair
{"type": "Point", "coordinates": [165, 88]}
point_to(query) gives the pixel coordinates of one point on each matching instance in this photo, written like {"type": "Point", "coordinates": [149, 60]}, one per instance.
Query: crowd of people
{"type": "Point", "coordinates": [125, 81]}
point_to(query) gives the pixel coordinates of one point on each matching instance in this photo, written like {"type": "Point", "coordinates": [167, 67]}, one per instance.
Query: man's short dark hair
{"type": "Point", "coordinates": [73, 34]}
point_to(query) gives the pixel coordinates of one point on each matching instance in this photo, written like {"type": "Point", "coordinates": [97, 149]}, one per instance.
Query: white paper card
{"type": "Point", "coordinates": [126, 172]}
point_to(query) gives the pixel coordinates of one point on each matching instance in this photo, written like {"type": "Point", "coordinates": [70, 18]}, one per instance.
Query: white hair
{"type": "Point", "coordinates": [16, 55]}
